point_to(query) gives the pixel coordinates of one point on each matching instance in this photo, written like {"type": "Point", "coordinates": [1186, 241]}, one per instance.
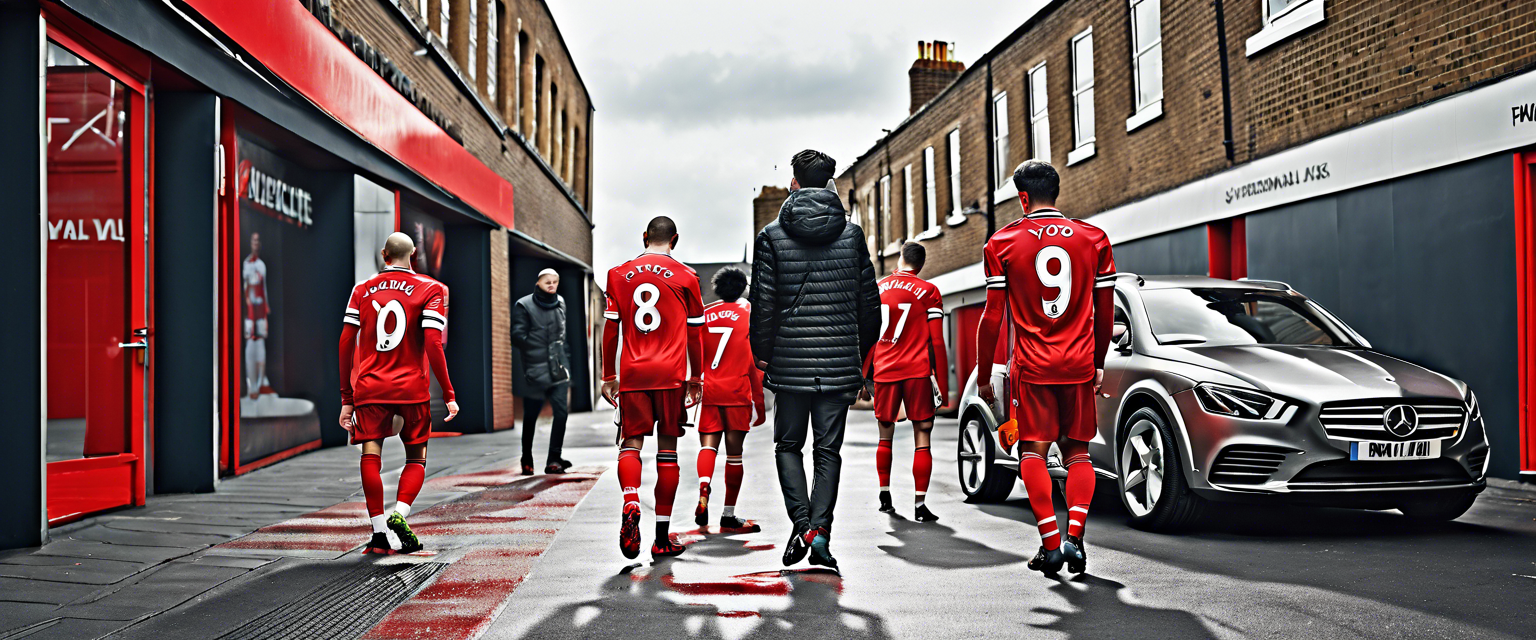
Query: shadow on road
{"type": "Point", "coordinates": [652, 602]}
{"type": "Point", "coordinates": [1102, 612]}
{"type": "Point", "coordinates": [930, 544]}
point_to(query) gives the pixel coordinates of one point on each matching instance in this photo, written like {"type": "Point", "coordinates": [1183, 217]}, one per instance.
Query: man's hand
{"type": "Point", "coordinates": [453, 410]}
{"type": "Point", "coordinates": [762, 366]}
{"type": "Point", "coordinates": [695, 394]}
{"type": "Point", "coordinates": [346, 417]}
{"type": "Point", "coordinates": [984, 389]}
{"type": "Point", "coordinates": [864, 392]}
{"type": "Point", "coordinates": [611, 391]}
{"type": "Point", "coordinates": [761, 417]}
{"type": "Point", "coordinates": [1098, 380]}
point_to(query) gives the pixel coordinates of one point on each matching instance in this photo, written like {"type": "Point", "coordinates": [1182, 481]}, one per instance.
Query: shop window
{"type": "Point", "coordinates": [1146, 61]}
{"type": "Point", "coordinates": [1284, 19]}
{"type": "Point", "coordinates": [1082, 98]}
{"type": "Point", "coordinates": [1039, 115]}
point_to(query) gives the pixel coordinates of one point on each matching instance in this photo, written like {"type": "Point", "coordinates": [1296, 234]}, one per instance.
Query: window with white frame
{"type": "Point", "coordinates": [1039, 116]}
{"type": "Point", "coordinates": [885, 208]}
{"type": "Point", "coordinates": [442, 19]}
{"type": "Point", "coordinates": [474, 13]}
{"type": "Point", "coordinates": [911, 228]}
{"type": "Point", "coordinates": [421, 9]}
{"type": "Point", "coordinates": [492, 51]}
{"type": "Point", "coordinates": [1283, 19]}
{"type": "Point", "coordinates": [930, 190]}
{"type": "Point", "coordinates": [1082, 97]}
{"type": "Point", "coordinates": [954, 176]}
{"type": "Point", "coordinates": [1000, 137]}
{"type": "Point", "coordinates": [1146, 61]}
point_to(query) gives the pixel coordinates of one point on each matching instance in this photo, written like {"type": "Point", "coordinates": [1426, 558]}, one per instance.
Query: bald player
{"type": "Point", "coordinates": [392, 329]}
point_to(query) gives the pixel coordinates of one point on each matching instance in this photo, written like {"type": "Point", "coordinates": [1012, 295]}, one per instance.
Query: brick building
{"type": "Point", "coordinates": [1359, 150]}
{"type": "Point", "coordinates": [209, 179]}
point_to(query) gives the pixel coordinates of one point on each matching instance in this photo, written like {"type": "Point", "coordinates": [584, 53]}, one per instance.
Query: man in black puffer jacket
{"type": "Point", "coordinates": [815, 317]}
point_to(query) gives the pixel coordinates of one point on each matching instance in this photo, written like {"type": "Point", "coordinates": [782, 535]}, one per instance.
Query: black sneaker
{"type": "Point", "coordinates": [1047, 562]}
{"type": "Point", "coordinates": [821, 553]}
{"type": "Point", "coordinates": [701, 512]}
{"type": "Point", "coordinates": [1076, 554]}
{"type": "Point", "coordinates": [379, 544]}
{"type": "Point", "coordinates": [734, 524]}
{"type": "Point", "coordinates": [885, 503]}
{"type": "Point", "coordinates": [922, 514]}
{"type": "Point", "coordinates": [799, 543]}
{"type": "Point", "coordinates": [527, 466]}
{"type": "Point", "coordinates": [554, 469]}
{"type": "Point", "coordinates": [565, 465]}
{"type": "Point", "coordinates": [666, 548]}
{"type": "Point", "coordinates": [409, 543]}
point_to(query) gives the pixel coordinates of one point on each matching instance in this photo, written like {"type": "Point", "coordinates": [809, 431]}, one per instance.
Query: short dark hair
{"type": "Point", "coordinates": [1038, 179]}
{"type": "Point", "coordinates": [914, 255]}
{"type": "Point", "coordinates": [729, 283]}
{"type": "Point", "coordinates": [813, 168]}
{"type": "Point", "coordinates": [661, 229]}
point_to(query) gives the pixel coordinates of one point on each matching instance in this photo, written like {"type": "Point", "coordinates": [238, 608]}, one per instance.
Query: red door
{"type": "Point", "coordinates": [1525, 300]}
{"type": "Point", "coordinates": [96, 322]}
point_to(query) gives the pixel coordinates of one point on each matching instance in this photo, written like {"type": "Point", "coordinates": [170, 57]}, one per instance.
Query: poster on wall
{"type": "Point", "coordinates": [277, 411]}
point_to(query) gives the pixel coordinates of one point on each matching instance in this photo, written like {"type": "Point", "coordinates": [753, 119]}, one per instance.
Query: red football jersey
{"type": "Point", "coordinates": [655, 298]}
{"type": "Point", "coordinates": [907, 303]}
{"type": "Point", "coordinates": [1049, 265]}
{"type": "Point", "coordinates": [731, 378]}
{"type": "Point", "coordinates": [393, 310]}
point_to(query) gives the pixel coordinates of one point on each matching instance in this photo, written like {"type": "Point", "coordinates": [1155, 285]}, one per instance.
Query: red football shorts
{"type": "Point", "coordinates": [717, 418]}
{"type": "Point", "coordinates": [917, 393]}
{"type": "Point", "coordinates": [659, 411]}
{"type": "Point", "coordinates": [377, 422]}
{"type": "Point", "coordinates": [1048, 412]}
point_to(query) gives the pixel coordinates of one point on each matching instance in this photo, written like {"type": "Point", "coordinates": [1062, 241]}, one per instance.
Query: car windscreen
{"type": "Point", "coordinates": [1224, 317]}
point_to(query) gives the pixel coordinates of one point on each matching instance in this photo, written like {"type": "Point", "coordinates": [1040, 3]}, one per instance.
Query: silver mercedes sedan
{"type": "Point", "coordinates": [1218, 390]}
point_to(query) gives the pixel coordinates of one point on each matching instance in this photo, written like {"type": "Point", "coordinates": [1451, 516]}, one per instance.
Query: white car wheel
{"type": "Point", "coordinates": [1142, 465]}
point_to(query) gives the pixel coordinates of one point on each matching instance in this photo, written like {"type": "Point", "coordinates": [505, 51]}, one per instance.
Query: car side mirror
{"type": "Point", "coordinates": [1122, 337]}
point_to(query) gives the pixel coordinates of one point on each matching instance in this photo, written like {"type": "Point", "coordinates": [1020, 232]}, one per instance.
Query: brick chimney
{"type": "Point", "coordinates": [933, 70]}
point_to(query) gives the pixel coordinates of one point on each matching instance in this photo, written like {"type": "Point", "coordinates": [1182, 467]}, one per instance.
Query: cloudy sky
{"type": "Point", "coordinates": [700, 104]}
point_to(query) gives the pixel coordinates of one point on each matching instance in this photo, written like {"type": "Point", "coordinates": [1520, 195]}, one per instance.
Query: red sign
{"type": "Point", "coordinates": [288, 40]}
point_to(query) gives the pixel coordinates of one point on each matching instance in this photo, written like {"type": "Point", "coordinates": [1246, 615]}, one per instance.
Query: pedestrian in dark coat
{"type": "Point", "coordinates": [538, 332]}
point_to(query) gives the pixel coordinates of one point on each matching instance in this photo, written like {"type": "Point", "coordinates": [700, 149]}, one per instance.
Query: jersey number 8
{"type": "Point", "coordinates": [647, 316]}
{"type": "Point", "coordinates": [1059, 280]}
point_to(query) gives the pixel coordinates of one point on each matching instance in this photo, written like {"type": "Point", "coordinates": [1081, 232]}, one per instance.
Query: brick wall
{"type": "Point", "coordinates": [1369, 59]}
{"type": "Point", "coordinates": [765, 207]}
{"type": "Point", "coordinates": [502, 401]}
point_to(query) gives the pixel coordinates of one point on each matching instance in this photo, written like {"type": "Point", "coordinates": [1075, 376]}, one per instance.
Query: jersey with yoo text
{"type": "Point", "coordinates": [729, 371]}
{"type": "Point", "coordinates": [907, 303]}
{"type": "Point", "coordinates": [393, 310]}
{"type": "Point", "coordinates": [1050, 265]}
{"type": "Point", "coordinates": [655, 298]}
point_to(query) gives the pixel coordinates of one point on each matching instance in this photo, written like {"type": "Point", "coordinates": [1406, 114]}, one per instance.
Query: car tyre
{"type": "Point", "coordinates": [980, 478]}
{"type": "Point", "coordinates": [1151, 481]}
{"type": "Point", "coordinates": [1438, 509]}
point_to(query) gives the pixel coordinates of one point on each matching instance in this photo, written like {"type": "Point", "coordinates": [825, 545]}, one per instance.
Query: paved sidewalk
{"type": "Point", "coordinates": [106, 573]}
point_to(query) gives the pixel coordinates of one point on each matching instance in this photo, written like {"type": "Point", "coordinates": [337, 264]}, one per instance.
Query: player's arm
{"type": "Point", "coordinates": [434, 323]}
{"type": "Point", "coordinates": [936, 343]}
{"type": "Point", "coordinates": [991, 323]}
{"type": "Point", "coordinates": [757, 396]}
{"type": "Point", "coordinates": [347, 352]}
{"type": "Point", "coordinates": [1103, 309]}
{"type": "Point", "coordinates": [611, 329]}
{"type": "Point", "coordinates": [695, 344]}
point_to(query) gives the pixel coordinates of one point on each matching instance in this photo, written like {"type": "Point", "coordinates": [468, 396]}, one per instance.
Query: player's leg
{"type": "Point", "coordinates": [635, 422]}
{"type": "Point", "coordinates": [735, 442]}
{"type": "Point", "coordinates": [532, 407]}
{"type": "Point", "coordinates": [252, 384]}
{"type": "Point", "coordinates": [883, 464]}
{"type": "Point", "coordinates": [260, 349]}
{"type": "Point", "coordinates": [918, 396]}
{"type": "Point", "coordinates": [414, 434]}
{"type": "Point", "coordinates": [1037, 413]}
{"type": "Point", "coordinates": [668, 407]}
{"type": "Point", "coordinates": [373, 495]}
{"type": "Point", "coordinates": [1080, 474]}
{"type": "Point", "coordinates": [710, 427]}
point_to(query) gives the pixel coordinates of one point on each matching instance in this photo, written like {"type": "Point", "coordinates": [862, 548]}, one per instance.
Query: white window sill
{"type": "Point", "coordinates": [1147, 114]}
{"type": "Point", "coordinates": [1293, 22]}
{"type": "Point", "coordinates": [931, 233]}
{"type": "Point", "coordinates": [1080, 154]}
{"type": "Point", "coordinates": [955, 219]}
{"type": "Point", "coordinates": [1005, 193]}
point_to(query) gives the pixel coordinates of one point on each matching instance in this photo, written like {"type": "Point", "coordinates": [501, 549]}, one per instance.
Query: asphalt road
{"type": "Point", "coordinates": [1242, 573]}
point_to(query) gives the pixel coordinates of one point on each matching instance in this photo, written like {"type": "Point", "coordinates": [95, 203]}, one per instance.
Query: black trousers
{"type": "Point", "coordinates": [558, 397]}
{"type": "Point", "coordinates": [824, 416]}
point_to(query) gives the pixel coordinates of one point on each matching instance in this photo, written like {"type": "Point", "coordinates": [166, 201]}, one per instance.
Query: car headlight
{"type": "Point", "coordinates": [1238, 403]}
{"type": "Point", "coordinates": [1474, 412]}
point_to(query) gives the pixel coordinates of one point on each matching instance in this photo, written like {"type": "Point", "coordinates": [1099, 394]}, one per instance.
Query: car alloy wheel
{"type": "Point", "coordinates": [1142, 465]}
{"type": "Point", "coordinates": [972, 457]}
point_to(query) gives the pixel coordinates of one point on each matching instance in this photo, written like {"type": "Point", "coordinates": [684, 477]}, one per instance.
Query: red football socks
{"type": "Point", "coordinates": [883, 464]}
{"type": "Point", "coordinates": [411, 477]}
{"type": "Point", "coordinates": [733, 474]}
{"type": "Point", "coordinates": [373, 485]}
{"type": "Point", "coordinates": [1080, 478]}
{"type": "Point", "coordinates": [666, 488]}
{"type": "Point", "coordinates": [706, 466]}
{"type": "Point", "coordinates": [629, 474]}
{"type": "Point", "coordinates": [1037, 481]}
{"type": "Point", "coordinates": [922, 470]}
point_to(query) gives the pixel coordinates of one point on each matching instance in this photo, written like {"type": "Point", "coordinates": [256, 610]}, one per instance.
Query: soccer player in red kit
{"type": "Point", "coordinates": [909, 366]}
{"type": "Point", "coordinates": [654, 302]}
{"type": "Point", "coordinates": [393, 329]}
{"type": "Point", "coordinates": [1055, 276]}
{"type": "Point", "coordinates": [733, 395]}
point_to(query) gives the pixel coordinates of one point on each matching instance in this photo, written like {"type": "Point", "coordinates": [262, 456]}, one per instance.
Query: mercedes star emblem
{"type": "Point", "coordinates": [1401, 420]}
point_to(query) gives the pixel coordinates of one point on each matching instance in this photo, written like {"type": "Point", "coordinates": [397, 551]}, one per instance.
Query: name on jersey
{"type": "Point", "coordinates": [1052, 230]}
{"type": "Point", "coordinates": [722, 313]}
{"type": "Point", "coordinates": [391, 285]}
{"type": "Point", "coordinates": [647, 268]}
{"type": "Point", "coordinates": [904, 285]}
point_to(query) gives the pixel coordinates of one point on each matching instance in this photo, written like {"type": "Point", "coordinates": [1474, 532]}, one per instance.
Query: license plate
{"type": "Point", "coordinates": [1418, 450]}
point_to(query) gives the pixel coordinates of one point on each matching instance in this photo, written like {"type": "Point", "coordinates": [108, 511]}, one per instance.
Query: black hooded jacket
{"type": "Point", "coordinates": [815, 308]}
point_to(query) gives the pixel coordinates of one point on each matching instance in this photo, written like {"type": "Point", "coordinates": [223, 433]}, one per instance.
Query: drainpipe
{"type": "Point", "coordinates": [1226, 84]}
{"type": "Point", "coordinates": [987, 108]}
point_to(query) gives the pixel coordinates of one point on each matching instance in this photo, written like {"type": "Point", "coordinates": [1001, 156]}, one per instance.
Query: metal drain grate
{"type": "Point", "coordinates": [343, 608]}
